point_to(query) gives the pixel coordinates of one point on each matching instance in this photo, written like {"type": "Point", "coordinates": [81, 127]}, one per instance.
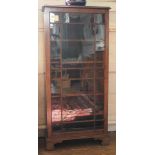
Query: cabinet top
{"type": "Point", "coordinates": [73, 6]}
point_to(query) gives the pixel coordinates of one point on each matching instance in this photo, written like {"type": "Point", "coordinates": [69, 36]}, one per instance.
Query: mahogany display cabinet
{"type": "Point", "coordinates": [76, 49]}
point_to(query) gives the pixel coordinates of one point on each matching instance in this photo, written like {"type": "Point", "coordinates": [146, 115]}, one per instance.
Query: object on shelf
{"type": "Point", "coordinates": [75, 2]}
{"type": "Point", "coordinates": [74, 108]}
{"type": "Point", "coordinates": [100, 45]}
{"type": "Point", "coordinates": [69, 115]}
{"type": "Point", "coordinates": [66, 83]}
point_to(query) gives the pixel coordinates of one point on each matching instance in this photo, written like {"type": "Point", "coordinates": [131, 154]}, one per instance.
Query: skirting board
{"type": "Point", "coordinates": [42, 128]}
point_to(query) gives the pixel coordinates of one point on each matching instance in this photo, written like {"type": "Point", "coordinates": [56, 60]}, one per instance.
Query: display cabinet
{"type": "Point", "coordinates": [76, 48]}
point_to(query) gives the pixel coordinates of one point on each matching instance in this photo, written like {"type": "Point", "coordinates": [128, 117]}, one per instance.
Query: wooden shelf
{"type": "Point", "coordinates": [77, 40]}
{"type": "Point", "coordinates": [73, 23]}
{"type": "Point", "coordinates": [77, 94]}
{"type": "Point", "coordinates": [72, 79]}
{"type": "Point", "coordinates": [84, 121]}
{"type": "Point", "coordinates": [82, 62]}
{"type": "Point", "coordinates": [96, 78]}
{"type": "Point", "coordinates": [82, 68]}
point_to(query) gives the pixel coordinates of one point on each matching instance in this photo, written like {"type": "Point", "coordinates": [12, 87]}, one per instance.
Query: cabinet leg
{"type": "Point", "coordinates": [49, 145]}
{"type": "Point", "coordinates": [105, 140]}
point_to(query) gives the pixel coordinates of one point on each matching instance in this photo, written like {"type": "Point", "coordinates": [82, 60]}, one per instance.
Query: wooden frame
{"type": "Point", "coordinates": [101, 134]}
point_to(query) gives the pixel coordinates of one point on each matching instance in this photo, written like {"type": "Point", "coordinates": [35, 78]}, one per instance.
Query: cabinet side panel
{"type": "Point", "coordinates": [106, 70]}
{"type": "Point", "coordinates": [47, 72]}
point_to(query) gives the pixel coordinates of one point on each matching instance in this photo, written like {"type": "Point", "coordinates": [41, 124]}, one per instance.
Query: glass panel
{"type": "Point", "coordinates": [99, 32]}
{"type": "Point", "coordinates": [55, 51]}
{"type": "Point", "coordinates": [99, 85]}
{"type": "Point", "coordinates": [99, 65]}
{"type": "Point", "coordinates": [99, 101]}
{"type": "Point", "coordinates": [99, 45]}
{"type": "Point", "coordinates": [99, 124]}
{"type": "Point", "coordinates": [55, 31]}
{"type": "Point", "coordinates": [78, 108]}
{"type": "Point", "coordinates": [78, 65]}
{"type": "Point", "coordinates": [78, 18]}
{"type": "Point", "coordinates": [56, 109]}
{"type": "Point", "coordinates": [99, 37]}
{"type": "Point", "coordinates": [80, 73]}
{"type": "Point", "coordinates": [55, 87]}
{"type": "Point", "coordinates": [77, 86]}
{"type": "Point", "coordinates": [56, 127]}
{"type": "Point", "coordinates": [78, 31]}
{"type": "Point", "coordinates": [99, 119]}
{"type": "Point", "coordinates": [55, 65]}
{"type": "Point", "coordinates": [99, 73]}
{"type": "Point", "coordinates": [55, 17]}
{"type": "Point", "coordinates": [99, 55]}
{"type": "Point", "coordinates": [77, 51]}
{"type": "Point", "coordinates": [78, 126]}
{"type": "Point", "coordinates": [55, 74]}
{"type": "Point", "coordinates": [99, 18]}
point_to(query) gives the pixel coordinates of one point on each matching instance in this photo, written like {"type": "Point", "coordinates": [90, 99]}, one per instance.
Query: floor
{"type": "Point", "coordinates": [80, 147]}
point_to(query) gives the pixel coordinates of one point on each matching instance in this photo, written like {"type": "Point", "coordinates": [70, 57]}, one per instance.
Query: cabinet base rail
{"type": "Point", "coordinates": [60, 137]}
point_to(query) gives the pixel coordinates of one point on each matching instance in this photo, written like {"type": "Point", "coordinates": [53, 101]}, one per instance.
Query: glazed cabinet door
{"type": "Point", "coordinates": [77, 45]}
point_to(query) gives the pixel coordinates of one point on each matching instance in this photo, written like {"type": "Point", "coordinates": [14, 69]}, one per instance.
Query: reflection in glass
{"type": "Point", "coordinates": [99, 73]}
{"type": "Point", "coordinates": [78, 31]}
{"type": "Point", "coordinates": [77, 73]}
{"type": "Point", "coordinates": [99, 103]}
{"type": "Point", "coordinates": [55, 17]}
{"type": "Point", "coordinates": [77, 51]}
{"type": "Point", "coordinates": [54, 32]}
{"type": "Point", "coordinates": [99, 37]}
{"type": "Point", "coordinates": [77, 86]}
{"type": "Point", "coordinates": [78, 66]}
{"type": "Point", "coordinates": [99, 18]}
{"type": "Point", "coordinates": [99, 99]}
{"type": "Point", "coordinates": [99, 65]}
{"type": "Point", "coordinates": [99, 55]}
{"type": "Point", "coordinates": [78, 108]}
{"type": "Point", "coordinates": [55, 66]}
{"type": "Point", "coordinates": [55, 87]}
{"type": "Point", "coordinates": [99, 32]}
{"type": "Point", "coordinates": [55, 74]}
{"type": "Point", "coordinates": [99, 85]}
{"type": "Point", "coordinates": [56, 114]}
{"type": "Point", "coordinates": [76, 57]}
{"type": "Point", "coordinates": [78, 18]}
{"type": "Point", "coordinates": [55, 51]}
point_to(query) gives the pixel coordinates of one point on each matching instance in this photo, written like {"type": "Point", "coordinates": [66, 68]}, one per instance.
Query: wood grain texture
{"type": "Point", "coordinates": [47, 75]}
{"type": "Point", "coordinates": [81, 147]}
{"type": "Point", "coordinates": [106, 70]}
